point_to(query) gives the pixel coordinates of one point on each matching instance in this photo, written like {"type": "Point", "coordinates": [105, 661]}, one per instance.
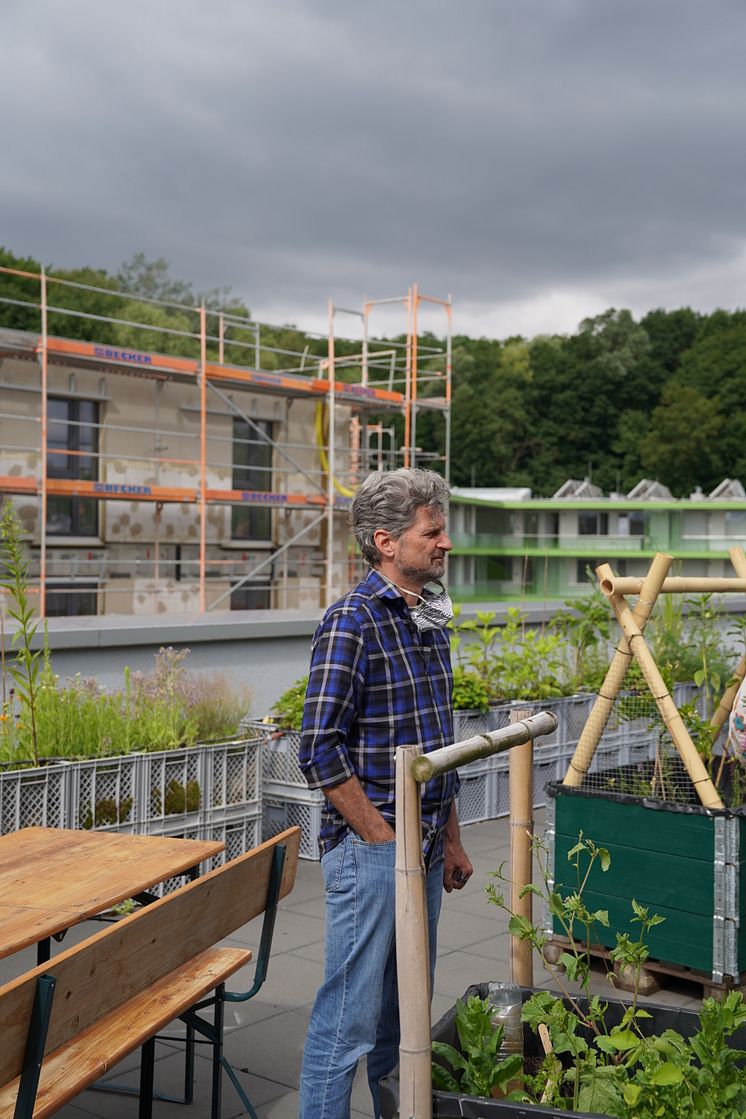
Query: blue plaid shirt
{"type": "Point", "coordinates": [376, 683]}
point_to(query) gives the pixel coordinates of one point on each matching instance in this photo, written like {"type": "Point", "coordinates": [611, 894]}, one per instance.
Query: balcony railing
{"type": "Point", "coordinates": [578, 545]}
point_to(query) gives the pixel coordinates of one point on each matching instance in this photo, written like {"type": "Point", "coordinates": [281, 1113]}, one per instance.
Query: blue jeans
{"type": "Point", "coordinates": [356, 1011]}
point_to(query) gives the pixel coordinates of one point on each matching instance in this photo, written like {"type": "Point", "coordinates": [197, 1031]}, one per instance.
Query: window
{"type": "Point", "coordinates": [593, 524]}
{"type": "Point", "coordinates": [72, 452]}
{"type": "Point", "coordinates": [499, 569]}
{"type": "Point", "coordinates": [252, 470]}
{"type": "Point", "coordinates": [251, 596]}
{"type": "Point", "coordinates": [735, 523]}
{"type": "Point", "coordinates": [632, 524]}
{"type": "Point", "coordinates": [585, 570]}
{"type": "Point", "coordinates": [71, 600]}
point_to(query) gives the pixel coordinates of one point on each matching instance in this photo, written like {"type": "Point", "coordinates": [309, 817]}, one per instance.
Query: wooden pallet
{"type": "Point", "coordinates": [652, 977]}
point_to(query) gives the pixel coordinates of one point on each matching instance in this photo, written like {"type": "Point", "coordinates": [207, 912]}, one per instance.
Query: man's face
{"type": "Point", "coordinates": [420, 552]}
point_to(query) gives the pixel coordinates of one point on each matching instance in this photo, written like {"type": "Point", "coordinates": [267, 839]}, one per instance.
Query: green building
{"type": "Point", "coordinates": [508, 544]}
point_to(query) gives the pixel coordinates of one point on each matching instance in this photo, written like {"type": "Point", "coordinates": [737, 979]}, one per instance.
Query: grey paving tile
{"type": "Point", "coordinates": [272, 1047]}
{"type": "Point", "coordinates": [492, 948]}
{"type": "Point", "coordinates": [462, 929]}
{"type": "Point", "coordinates": [292, 931]}
{"type": "Point", "coordinates": [291, 982]}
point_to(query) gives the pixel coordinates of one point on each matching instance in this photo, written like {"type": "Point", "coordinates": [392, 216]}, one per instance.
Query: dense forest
{"type": "Point", "coordinates": [617, 400]}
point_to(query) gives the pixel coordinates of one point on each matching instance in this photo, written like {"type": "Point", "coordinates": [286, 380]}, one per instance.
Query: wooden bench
{"type": "Point", "coordinates": [68, 1021]}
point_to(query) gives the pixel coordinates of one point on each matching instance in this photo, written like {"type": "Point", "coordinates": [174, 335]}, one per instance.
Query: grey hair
{"type": "Point", "coordinates": [390, 500]}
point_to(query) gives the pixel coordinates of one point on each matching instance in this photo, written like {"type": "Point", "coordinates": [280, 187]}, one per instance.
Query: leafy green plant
{"type": "Point", "coordinates": [620, 1070]}
{"type": "Point", "coordinates": [288, 710]}
{"type": "Point", "coordinates": [512, 660]}
{"type": "Point", "coordinates": [706, 640]}
{"type": "Point", "coordinates": [160, 710]}
{"type": "Point", "coordinates": [469, 690]}
{"type": "Point", "coordinates": [585, 625]}
{"type": "Point", "coordinates": [474, 1068]}
{"type": "Point", "coordinates": [14, 580]}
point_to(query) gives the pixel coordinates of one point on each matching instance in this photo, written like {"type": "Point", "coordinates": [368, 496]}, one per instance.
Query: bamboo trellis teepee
{"type": "Point", "coordinates": [632, 645]}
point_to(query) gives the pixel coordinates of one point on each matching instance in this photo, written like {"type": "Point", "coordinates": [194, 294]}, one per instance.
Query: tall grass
{"type": "Point", "coordinates": [160, 710]}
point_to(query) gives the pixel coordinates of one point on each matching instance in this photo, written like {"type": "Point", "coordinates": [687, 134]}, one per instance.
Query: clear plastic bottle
{"type": "Point", "coordinates": [507, 1003]}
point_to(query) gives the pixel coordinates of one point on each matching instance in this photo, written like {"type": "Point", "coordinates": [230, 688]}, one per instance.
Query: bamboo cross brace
{"type": "Point", "coordinates": [603, 705]}
{"type": "Point", "coordinates": [677, 584]}
{"type": "Point", "coordinates": [425, 766]}
{"type": "Point", "coordinates": [695, 767]}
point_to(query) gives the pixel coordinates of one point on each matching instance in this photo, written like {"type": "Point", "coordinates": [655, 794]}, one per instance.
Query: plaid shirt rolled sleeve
{"type": "Point", "coordinates": [376, 683]}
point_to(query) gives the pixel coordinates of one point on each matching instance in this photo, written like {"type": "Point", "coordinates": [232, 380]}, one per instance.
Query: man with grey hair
{"type": "Point", "coordinates": [380, 678]}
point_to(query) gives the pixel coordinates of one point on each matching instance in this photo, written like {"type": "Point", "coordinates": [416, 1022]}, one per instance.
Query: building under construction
{"type": "Point", "coordinates": [201, 466]}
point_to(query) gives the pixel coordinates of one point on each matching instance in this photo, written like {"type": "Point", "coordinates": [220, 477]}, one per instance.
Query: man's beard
{"type": "Point", "coordinates": [436, 570]}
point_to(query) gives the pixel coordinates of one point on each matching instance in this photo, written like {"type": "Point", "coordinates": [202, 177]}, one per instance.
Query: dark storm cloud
{"type": "Point", "coordinates": [590, 149]}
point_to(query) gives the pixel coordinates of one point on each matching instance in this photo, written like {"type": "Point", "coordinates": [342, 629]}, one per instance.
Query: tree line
{"type": "Point", "coordinates": [618, 400]}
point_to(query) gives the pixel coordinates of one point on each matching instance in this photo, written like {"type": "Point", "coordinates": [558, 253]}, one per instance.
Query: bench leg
{"type": "Point", "coordinates": [217, 1053]}
{"type": "Point", "coordinates": [147, 1075]}
{"type": "Point", "coordinates": [35, 1043]}
{"type": "Point", "coordinates": [189, 1065]}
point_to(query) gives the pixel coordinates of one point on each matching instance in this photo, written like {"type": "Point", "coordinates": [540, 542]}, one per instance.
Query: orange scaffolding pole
{"type": "Point", "coordinates": [44, 437]}
{"type": "Point", "coordinates": [202, 458]}
{"type": "Point", "coordinates": [413, 392]}
{"type": "Point", "coordinates": [331, 464]}
{"type": "Point", "coordinates": [408, 380]}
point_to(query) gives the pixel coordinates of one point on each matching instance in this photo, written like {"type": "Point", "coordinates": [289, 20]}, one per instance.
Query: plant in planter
{"type": "Point", "coordinates": [600, 1057]}
{"type": "Point", "coordinates": [514, 661]}
{"type": "Point", "coordinates": [469, 690]}
{"type": "Point", "coordinates": [288, 710]}
{"type": "Point", "coordinates": [112, 744]}
{"type": "Point", "coordinates": [623, 1069]}
{"type": "Point", "coordinates": [585, 626]}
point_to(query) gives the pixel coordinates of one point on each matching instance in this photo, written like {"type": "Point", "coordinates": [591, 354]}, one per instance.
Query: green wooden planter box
{"type": "Point", "coordinates": [684, 862]}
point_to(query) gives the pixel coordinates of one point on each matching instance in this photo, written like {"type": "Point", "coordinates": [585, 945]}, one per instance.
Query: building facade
{"type": "Point", "coordinates": [156, 478]}
{"type": "Point", "coordinates": [508, 544]}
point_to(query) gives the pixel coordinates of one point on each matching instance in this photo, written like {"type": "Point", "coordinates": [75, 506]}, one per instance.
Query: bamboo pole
{"type": "Point", "coordinates": [609, 690]}
{"type": "Point", "coordinates": [521, 764]}
{"type": "Point", "coordinates": [676, 584]}
{"type": "Point", "coordinates": [724, 708]}
{"type": "Point", "coordinates": [440, 761]}
{"type": "Point", "coordinates": [412, 950]}
{"type": "Point", "coordinates": [695, 767]}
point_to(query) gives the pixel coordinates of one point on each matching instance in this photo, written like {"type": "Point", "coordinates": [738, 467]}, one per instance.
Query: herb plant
{"type": "Point", "coordinates": [620, 1069]}
{"type": "Point", "coordinates": [24, 670]}
{"type": "Point", "coordinates": [475, 1069]}
{"type": "Point", "coordinates": [288, 710]}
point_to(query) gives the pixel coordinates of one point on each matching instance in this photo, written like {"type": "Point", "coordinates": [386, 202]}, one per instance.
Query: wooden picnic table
{"type": "Point", "coordinates": [53, 878]}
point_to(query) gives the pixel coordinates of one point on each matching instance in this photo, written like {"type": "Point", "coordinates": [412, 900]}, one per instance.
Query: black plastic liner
{"type": "Point", "coordinates": [449, 1105]}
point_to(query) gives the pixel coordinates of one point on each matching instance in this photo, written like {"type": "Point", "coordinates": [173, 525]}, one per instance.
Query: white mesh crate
{"type": "Point", "coordinates": [36, 797]}
{"type": "Point", "coordinates": [500, 788]}
{"type": "Point", "coordinates": [287, 807]}
{"type": "Point", "coordinates": [239, 835]}
{"type": "Point", "coordinates": [549, 765]}
{"type": "Point", "coordinates": [280, 758]}
{"type": "Point", "coordinates": [233, 772]}
{"type": "Point", "coordinates": [466, 724]}
{"type": "Point", "coordinates": [173, 788]}
{"type": "Point", "coordinates": [640, 748]}
{"type": "Point", "coordinates": [105, 791]}
{"type": "Point", "coordinates": [474, 798]}
{"type": "Point", "coordinates": [174, 830]}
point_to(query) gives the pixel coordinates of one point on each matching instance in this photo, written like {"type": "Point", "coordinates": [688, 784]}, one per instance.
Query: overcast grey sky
{"type": "Point", "coordinates": [539, 159]}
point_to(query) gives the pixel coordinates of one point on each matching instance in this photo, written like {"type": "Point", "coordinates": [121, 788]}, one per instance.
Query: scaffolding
{"type": "Point", "coordinates": [191, 417]}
